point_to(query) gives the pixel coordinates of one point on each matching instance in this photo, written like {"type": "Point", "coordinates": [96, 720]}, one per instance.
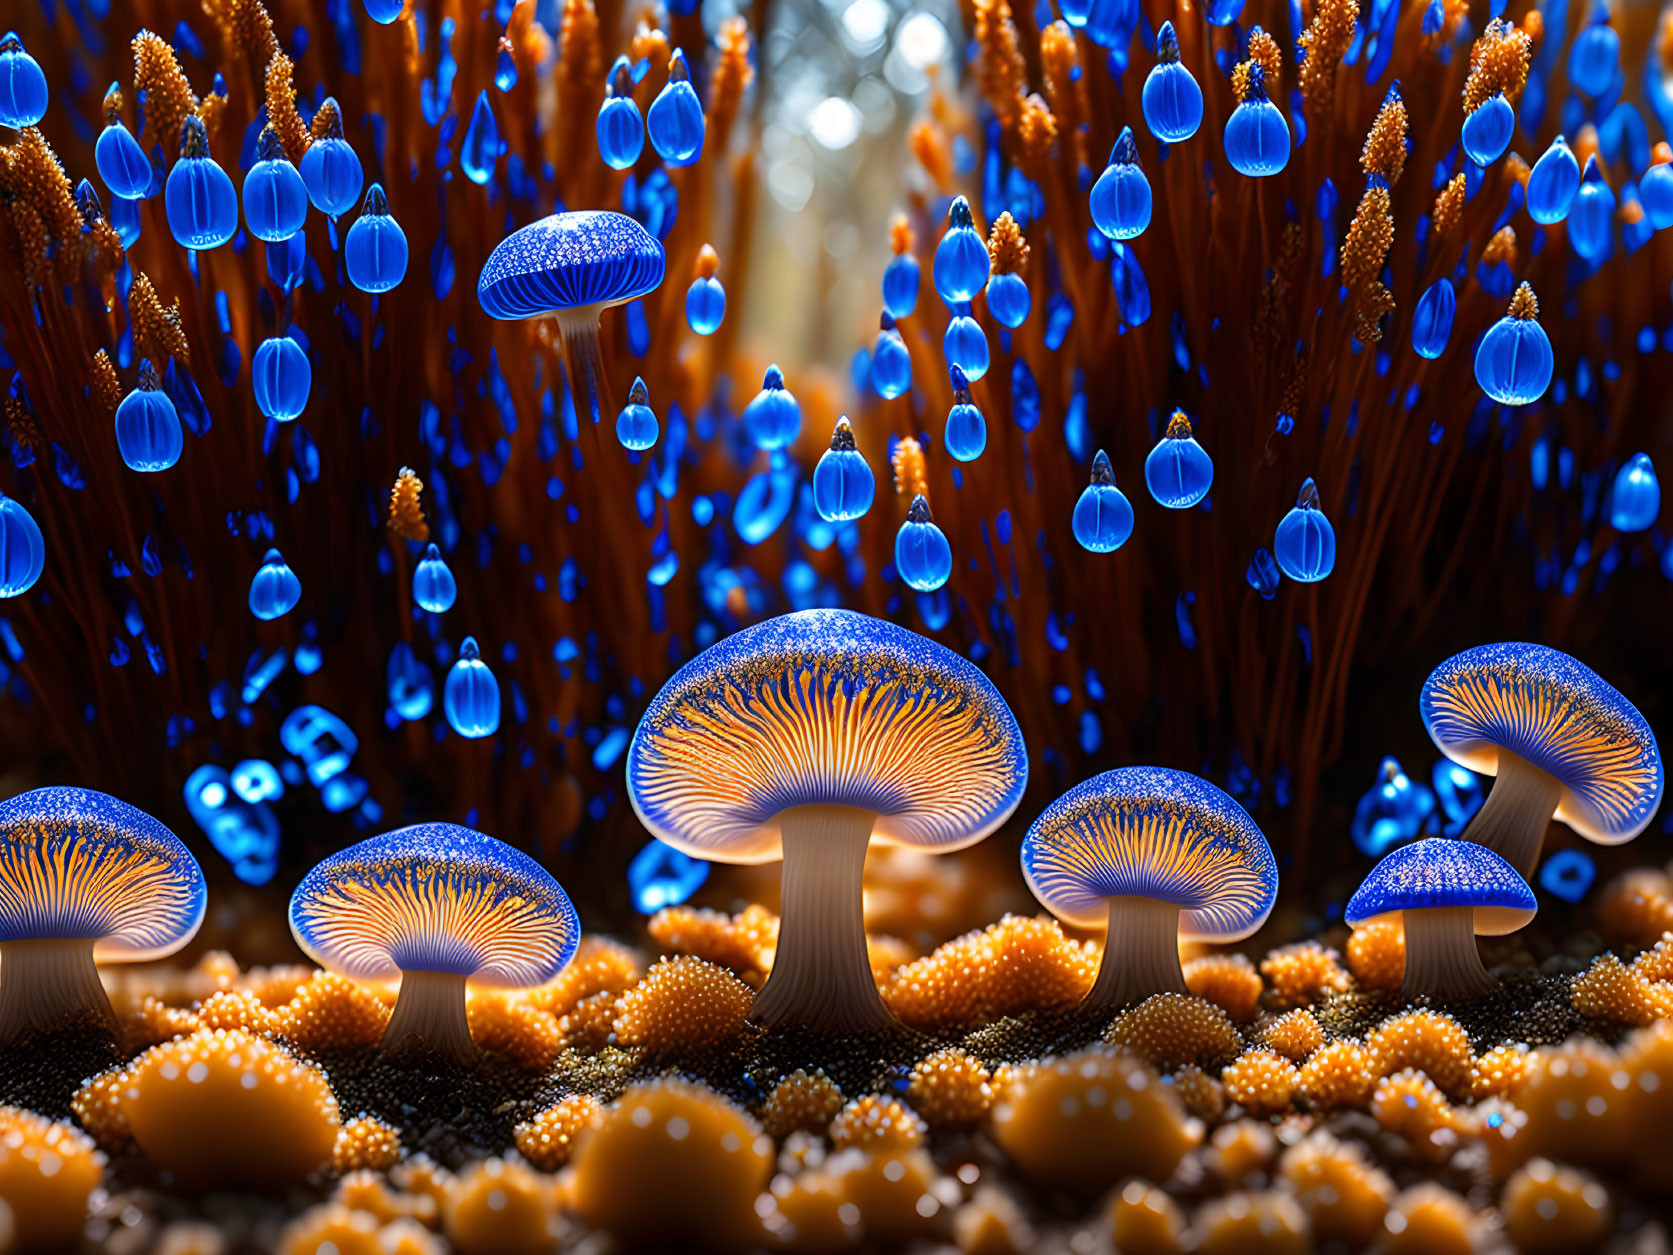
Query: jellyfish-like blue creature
{"type": "Point", "coordinates": [433, 586]}
{"type": "Point", "coordinates": [281, 377]}
{"type": "Point", "coordinates": [148, 432]}
{"type": "Point", "coordinates": [1103, 517]}
{"type": "Point", "coordinates": [471, 694]}
{"type": "Point", "coordinates": [1553, 183]}
{"type": "Point", "coordinates": [621, 128]}
{"type": "Point", "coordinates": [1257, 138]}
{"type": "Point", "coordinates": [966, 434]}
{"type": "Point", "coordinates": [961, 257]}
{"type": "Point", "coordinates": [1120, 200]}
{"type": "Point", "coordinates": [923, 555]}
{"type": "Point", "coordinates": [275, 197]}
{"type": "Point", "coordinates": [1171, 98]}
{"type": "Point", "coordinates": [636, 425]}
{"type": "Point", "coordinates": [1305, 542]}
{"type": "Point", "coordinates": [331, 169]}
{"type": "Point", "coordinates": [375, 248]}
{"type": "Point", "coordinates": [1178, 471]}
{"type": "Point", "coordinates": [773, 417]}
{"type": "Point", "coordinates": [843, 483]}
{"type": "Point", "coordinates": [1635, 501]}
{"type": "Point", "coordinates": [22, 548]}
{"type": "Point", "coordinates": [275, 589]}
{"type": "Point", "coordinates": [199, 198]}
{"type": "Point", "coordinates": [1514, 362]}
{"type": "Point", "coordinates": [675, 120]}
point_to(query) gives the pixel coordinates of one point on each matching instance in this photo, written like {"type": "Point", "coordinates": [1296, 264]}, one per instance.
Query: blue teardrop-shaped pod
{"type": "Point", "coordinates": [966, 345]}
{"type": "Point", "coordinates": [923, 555]}
{"type": "Point", "coordinates": [966, 435]}
{"type": "Point", "coordinates": [1594, 56]}
{"type": "Point", "coordinates": [773, 417]}
{"type": "Point", "coordinates": [1591, 218]}
{"type": "Point", "coordinates": [705, 305]}
{"type": "Point", "coordinates": [1513, 362]}
{"type": "Point", "coordinates": [275, 197]}
{"type": "Point", "coordinates": [1172, 98]}
{"type": "Point", "coordinates": [23, 90]}
{"type": "Point", "coordinates": [961, 263]}
{"type": "Point", "coordinates": [636, 427]}
{"type": "Point", "coordinates": [1488, 130]}
{"type": "Point", "coordinates": [1222, 12]}
{"type": "Point", "coordinates": [480, 151]}
{"type": "Point", "coordinates": [675, 120]}
{"type": "Point", "coordinates": [901, 278]}
{"type": "Point", "coordinates": [1178, 471]}
{"type": "Point", "coordinates": [1305, 542]}
{"type": "Point", "coordinates": [122, 163]}
{"type": "Point", "coordinates": [843, 485]}
{"type": "Point", "coordinates": [199, 198]}
{"type": "Point", "coordinates": [1103, 517]}
{"type": "Point", "coordinates": [275, 590]}
{"type": "Point", "coordinates": [375, 249]}
{"type": "Point", "coordinates": [471, 695]}
{"type": "Point", "coordinates": [331, 169]}
{"type": "Point", "coordinates": [148, 431]}
{"type": "Point", "coordinates": [1635, 502]}
{"type": "Point", "coordinates": [22, 548]}
{"type": "Point", "coordinates": [433, 586]}
{"type": "Point", "coordinates": [1120, 200]}
{"type": "Point", "coordinates": [1432, 320]}
{"type": "Point", "coordinates": [1655, 192]}
{"type": "Point", "coordinates": [1257, 137]}
{"type": "Point", "coordinates": [1552, 183]}
{"type": "Point", "coordinates": [1009, 300]}
{"type": "Point", "coordinates": [620, 128]}
{"type": "Point", "coordinates": [383, 12]}
{"type": "Point", "coordinates": [891, 363]}
{"type": "Point", "coordinates": [281, 377]}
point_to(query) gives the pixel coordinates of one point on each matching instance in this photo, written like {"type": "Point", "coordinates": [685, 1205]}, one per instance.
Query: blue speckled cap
{"type": "Point", "coordinates": [75, 863]}
{"type": "Point", "coordinates": [1559, 715]}
{"type": "Point", "coordinates": [570, 260]}
{"type": "Point", "coordinates": [1152, 832]}
{"type": "Point", "coordinates": [825, 707]}
{"type": "Point", "coordinates": [1437, 872]}
{"type": "Point", "coordinates": [435, 898]}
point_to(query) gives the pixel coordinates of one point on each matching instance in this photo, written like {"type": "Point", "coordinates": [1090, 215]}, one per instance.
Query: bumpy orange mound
{"type": "Point", "coordinates": [1410, 1104]}
{"type": "Point", "coordinates": [547, 1140]}
{"type": "Point", "coordinates": [236, 1008]}
{"type": "Point", "coordinates": [47, 1171]}
{"type": "Point", "coordinates": [1242, 1149]}
{"type": "Point", "coordinates": [1428, 1220]}
{"type": "Point", "coordinates": [1171, 1030]}
{"type": "Point", "coordinates": [1144, 1220]}
{"type": "Point", "coordinates": [332, 1012]}
{"type": "Point", "coordinates": [1498, 1071]}
{"type": "Point", "coordinates": [1636, 908]}
{"type": "Point", "coordinates": [1377, 955]}
{"type": "Point", "coordinates": [681, 1003]}
{"type": "Point", "coordinates": [600, 966]}
{"type": "Point", "coordinates": [1577, 1106]}
{"type": "Point", "coordinates": [1610, 990]}
{"type": "Point", "coordinates": [98, 1106]}
{"type": "Point", "coordinates": [802, 1100]}
{"type": "Point", "coordinates": [744, 943]}
{"type": "Point", "coordinates": [1019, 964]}
{"type": "Point", "coordinates": [1338, 1075]}
{"type": "Point", "coordinates": [696, 1161]}
{"type": "Point", "coordinates": [1229, 981]}
{"type": "Point", "coordinates": [1343, 1194]}
{"type": "Point", "coordinates": [1262, 1082]}
{"type": "Point", "coordinates": [950, 1089]}
{"type": "Point", "coordinates": [1550, 1210]}
{"type": "Point", "coordinates": [1304, 973]}
{"type": "Point", "coordinates": [368, 1191]}
{"type": "Point", "coordinates": [1647, 1059]}
{"type": "Point", "coordinates": [331, 1229]}
{"type": "Point", "coordinates": [151, 1021]}
{"type": "Point", "coordinates": [1203, 1095]}
{"type": "Point", "coordinates": [1295, 1035]}
{"type": "Point", "coordinates": [365, 1143]}
{"type": "Point", "coordinates": [1656, 963]}
{"type": "Point", "coordinates": [511, 1025]}
{"type": "Point", "coordinates": [1082, 1122]}
{"type": "Point", "coordinates": [1429, 1041]}
{"type": "Point", "coordinates": [875, 1122]}
{"type": "Point", "coordinates": [226, 1109]}
{"type": "Point", "coordinates": [589, 1024]}
{"type": "Point", "coordinates": [501, 1208]}
{"type": "Point", "coordinates": [1264, 1223]}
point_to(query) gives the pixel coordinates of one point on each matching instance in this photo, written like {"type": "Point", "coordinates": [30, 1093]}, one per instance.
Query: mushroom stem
{"type": "Point", "coordinates": [821, 977]}
{"type": "Point", "coordinates": [583, 361]}
{"type": "Point", "coordinates": [1513, 819]}
{"type": "Point", "coordinates": [48, 984]}
{"type": "Point", "coordinates": [430, 1016]}
{"type": "Point", "coordinates": [1141, 953]}
{"type": "Point", "coordinates": [1441, 955]}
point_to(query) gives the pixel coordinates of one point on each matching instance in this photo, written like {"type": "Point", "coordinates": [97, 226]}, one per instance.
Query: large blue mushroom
{"type": "Point", "coordinates": [437, 905]}
{"type": "Point", "coordinates": [84, 878]}
{"type": "Point", "coordinates": [1155, 855]}
{"type": "Point", "coordinates": [570, 267]}
{"type": "Point", "coordinates": [1447, 893]}
{"type": "Point", "coordinates": [801, 739]}
{"type": "Point", "coordinates": [1561, 741]}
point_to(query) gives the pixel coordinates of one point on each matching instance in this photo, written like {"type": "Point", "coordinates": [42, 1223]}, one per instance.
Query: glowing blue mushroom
{"type": "Point", "coordinates": [1561, 741]}
{"type": "Point", "coordinates": [1155, 855]}
{"type": "Point", "coordinates": [843, 485]}
{"type": "Point", "coordinates": [1447, 893]}
{"type": "Point", "coordinates": [1178, 471]}
{"type": "Point", "coordinates": [199, 198]}
{"type": "Point", "coordinates": [439, 906]}
{"type": "Point", "coordinates": [84, 878]}
{"type": "Point", "coordinates": [800, 739]}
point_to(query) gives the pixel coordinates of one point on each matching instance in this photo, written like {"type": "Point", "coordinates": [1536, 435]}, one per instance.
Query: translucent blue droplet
{"type": "Point", "coordinates": [1513, 362]}
{"type": "Point", "coordinates": [148, 431]}
{"type": "Point", "coordinates": [383, 12]}
{"type": "Point", "coordinates": [705, 306]}
{"type": "Point", "coordinates": [1432, 320]}
{"type": "Point", "coordinates": [1009, 299]}
{"type": "Point", "coordinates": [843, 485]}
{"type": "Point", "coordinates": [891, 362]}
{"type": "Point", "coordinates": [621, 129]}
{"type": "Point", "coordinates": [773, 417]}
{"type": "Point", "coordinates": [901, 278]}
{"type": "Point", "coordinates": [281, 377]}
{"type": "Point", "coordinates": [966, 434]}
{"type": "Point", "coordinates": [330, 169]}
{"type": "Point", "coordinates": [471, 694]}
{"type": "Point", "coordinates": [275, 198]}
{"type": "Point", "coordinates": [636, 425]}
{"type": "Point", "coordinates": [1305, 543]}
{"type": "Point", "coordinates": [966, 345]}
{"type": "Point", "coordinates": [1120, 200]}
{"type": "Point", "coordinates": [433, 585]}
{"type": "Point", "coordinates": [1552, 183]}
{"type": "Point", "coordinates": [1595, 55]}
{"type": "Point", "coordinates": [412, 690]}
{"type": "Point", "coordinates": [1635, 502]}
{"type": "Point", "coordinates": [375, 249]}
{"type": "Point", "coordinates": [199, 198]}
{"type": "Point", "coordinates": [275, 590]}
{"type": "Point", "coordinates": [122, 163]}
{"type": "Point", "coordinates": [1488, 130]}
{"type": "Point", "coordinates": [661, 876]}
{"type": "Point", "coordinates": [1172, 98]}
{"type": "Point", "coordinates": [923, 556]}
{"type": "Point", "coordinates": [1103, 517]}
{"type": "Point", "coordinates": [675, 120]}
{"type": "Point", "coordinates": [961, 262]}
{"type": "Point", "coordinates": [22, 548]}
{"type": "Point", "coordinates": [1178, 471]}
{"type": "Point", "coordinates": [481, 148]}
{"type": "Point", "coordinates": [23, 90]}
{"type": "Point", "coordinates": [1257, 137]}
{"type": "Point", "coordinates": [1592, 216]}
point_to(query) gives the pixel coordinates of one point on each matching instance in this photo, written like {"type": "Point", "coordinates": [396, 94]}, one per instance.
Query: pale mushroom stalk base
{"type": "Point", "coordinates": [430, 1016]}
{"type": "Point", "coordinates": [1441, 956]}
{"type": "Point", "coordinates": [821, 977]}
{"type": "Point", "coordinates": [48, 984]}
{"type": "Point", "coordinates": [589, 386]}
{"type": "Point", "coordinates": [1141, 954]}
{"type": "Point", "coordinates": [1513, 819]}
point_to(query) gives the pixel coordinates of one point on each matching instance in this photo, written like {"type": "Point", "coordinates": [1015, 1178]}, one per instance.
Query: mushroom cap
{"type": "Point", "coordinates": [824, 707]}
{"type": "Point", "coordinates": [594, 257]}
{"type": "Point", "coordinates": [1559, 715]}
{"type": "Point", "coordinates": [75, 863]}
{"type": "Point", "coordinates": [1438, 872]}
{"type": "Point", "coordinates": [435, 898]}
{"type": "Point", "coordinates": [1152, 832]}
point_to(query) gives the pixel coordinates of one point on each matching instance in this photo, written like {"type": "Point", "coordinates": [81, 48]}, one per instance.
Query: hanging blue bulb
{"type": "Point", "coordinates": [148, 431]}
{"type": "Point", "coordinates": [1552, 183]}
{"type": "Point", "coordinates": [481, 149]}
{"type": "Point", "coordinates": [120, 160]}
{"type": "Point", "coordinates": [287, 262]}
{"type": "Point", "coordinates": [1009, 299]}
{"type": "Point", "coordinates": [375, 249]}
{"type": "Point", "coordinates": [22, 548]}
{"type": "Point", "coordinates": [1432, 320]}
{"type": "Point", "coordinates": [433, 585]}
{"type": "Point", "coordinates": [961, 261]}
{"type": "Point", "coordinates": [23, 93]}
{"type": "Point", "coordinates": [636, 425]}
{"type": "Point", "coordinates": [901, 278]}
{"type": "Point", "coordinates": [843, 485]}
{"type": "Point", "coordinates": [471, 695]}
{"type": "Point", "coordinates": [1103, 518]}
{"type": "Point", "coordinates": [1488, 130]}
{"type": "Point", "coordinates": [275, 590]}
{"type": "Point", "coordinates": [1655, 192]}
{"type": "Point", "coordinates": [621, 129]}
{"type": "Point", "coordinates": [1513, 362]}
{"type": "Point", "coordinates": [891, 362]}
{"type": "Point", "coordinates": [661, 876]}
{"type": "Point", "coordinates": [1592, 216]}
{"type": "Point", "coordinates": [967, 431]}
{"type": "Point", "coordinates": [383, 12]}
{"type": "Point", "coordinates": [1595, 54]}
{"type": "Point", "coordinates": [1177, 471]}
{"type": "Point", "coordinates": [282, 377]}
{"type": "Point", "coordinates": [773, 417]}
{"type": "Point", "coordinates": [1172, 98]}
{"type": "Point", "coordinates": [275, 197]}
{"type": "Point", "coordinates": [675, 120]}
{"type": "Point", "coordinates": [705, 304]}
{"type": "Point", "coordinates": [1120, 199]}
{"type": "Point", "coordinates": [1223, 12]}
{"type": "Point", "coordinates": [923, 558]}
{"type": "Point", "coordinates": [330, 169]}
{"type": "Point", "coordinates": [1305, 543]}
{"type": "Point", "coordinates": [1636, 501]}
{"type": "Point", "coordinates": [200, 200]}
{"type": "Point", "coordinates": [965, 344]}
{"type": "Point", "coordinates": [505, 70]}
{"type": "Point", "coordinates": [1257, 137]}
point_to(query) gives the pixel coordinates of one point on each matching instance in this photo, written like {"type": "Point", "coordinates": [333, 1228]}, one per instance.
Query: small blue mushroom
{"type": "Point", "coordinates": [84, 878]}
{"type": "Point", "coordinates": [1156, 855]}
{"type": "Point", "coordinates": [1447, 893]}
{"type": "Point", "coordinates": [438, 905]}
{"type": "Point", "coordinates": [1560, 740]}
{"type": "Point", "coordinates": [802, 738]}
